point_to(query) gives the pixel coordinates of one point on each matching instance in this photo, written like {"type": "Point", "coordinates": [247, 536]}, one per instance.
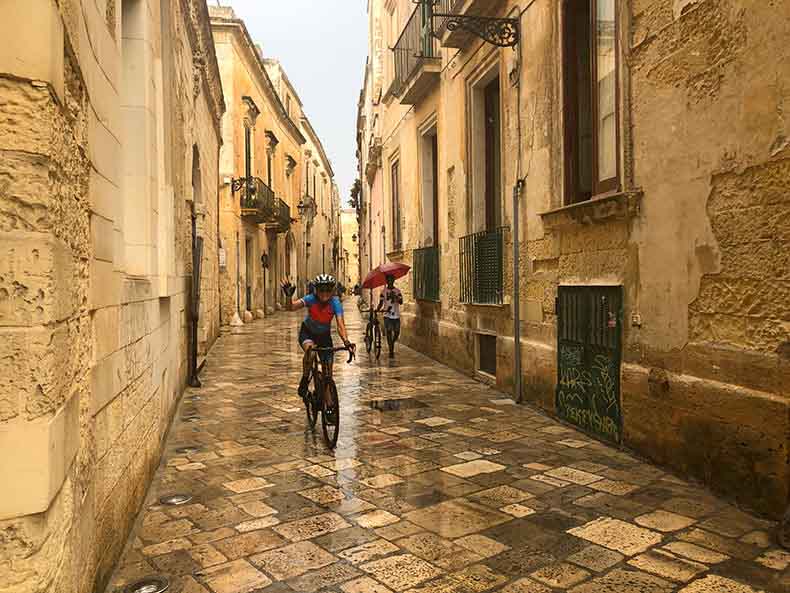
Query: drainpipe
{"type": "Point", "coordinates": [516, 298]}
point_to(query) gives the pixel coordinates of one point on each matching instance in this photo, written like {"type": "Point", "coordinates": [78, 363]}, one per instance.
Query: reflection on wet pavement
{"type": "Point", "coordinates": [438, 485]}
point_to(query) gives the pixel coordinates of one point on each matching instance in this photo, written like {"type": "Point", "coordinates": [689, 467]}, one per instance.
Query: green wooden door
{"type": "Point", "coordinates": [588, 358]}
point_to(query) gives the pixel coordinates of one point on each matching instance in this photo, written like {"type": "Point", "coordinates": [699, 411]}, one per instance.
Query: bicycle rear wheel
{"type": "Point", "coordinates": [330, 416]}
{"type": "Point", "coordinates": [377, 331]}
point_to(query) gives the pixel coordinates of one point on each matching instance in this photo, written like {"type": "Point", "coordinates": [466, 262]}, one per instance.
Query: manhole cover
{"type": "Point", "coordinates": [149, 585]}
{"type": "Point", "coordinates": [188, 450]}
{"type": "Point", "coordinates": [394, 405]}
{"type": "Point", "coordinates": [175, 499]}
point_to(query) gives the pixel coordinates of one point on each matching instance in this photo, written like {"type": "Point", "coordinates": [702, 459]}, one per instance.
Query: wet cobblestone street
{"type": "Point", "coordinates": [439, 484]}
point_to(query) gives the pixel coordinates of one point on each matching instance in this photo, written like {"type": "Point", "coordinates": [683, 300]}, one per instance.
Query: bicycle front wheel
{"type": "Point", "coordinates": [330, 415]}
{"type": "Point", "coordinates": [311, 403]}
{"type": "Point", "coordinates": [377, 331]}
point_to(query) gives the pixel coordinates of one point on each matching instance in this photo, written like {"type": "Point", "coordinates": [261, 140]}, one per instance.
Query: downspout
{"type": "Point", "coordinates": [515, 79]}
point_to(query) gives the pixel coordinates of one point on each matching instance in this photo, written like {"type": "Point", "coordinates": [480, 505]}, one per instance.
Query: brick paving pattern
{"type": "Point", "coordinates": [438, 485]}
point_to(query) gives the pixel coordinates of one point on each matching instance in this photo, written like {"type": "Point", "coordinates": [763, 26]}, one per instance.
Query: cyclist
{"type": "Point", "coordinates": [394, 299]}
{"type": "Point", "coordinates": [316, 329]}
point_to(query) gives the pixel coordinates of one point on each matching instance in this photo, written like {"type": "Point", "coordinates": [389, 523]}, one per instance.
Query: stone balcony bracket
{"type": "Point", "coordinates": [613, 206]}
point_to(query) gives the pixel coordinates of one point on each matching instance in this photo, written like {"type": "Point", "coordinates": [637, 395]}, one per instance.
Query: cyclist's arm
{"type": "Point", "coordinates": [291, 303]}
{"type": "Point", "coordinates": [341, 329]}
{"type": "Point", "coordinates": [294, 304]}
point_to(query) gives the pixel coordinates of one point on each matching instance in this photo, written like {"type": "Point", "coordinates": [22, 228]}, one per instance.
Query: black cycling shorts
{"type": "Point", "coordinates": [322, 340]}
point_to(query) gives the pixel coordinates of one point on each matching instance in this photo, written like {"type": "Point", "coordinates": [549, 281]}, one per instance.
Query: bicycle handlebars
{"type": "Point", "coordinates": [350, 350]}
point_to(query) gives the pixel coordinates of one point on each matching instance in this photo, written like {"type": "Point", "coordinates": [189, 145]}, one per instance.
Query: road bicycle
{"type": "Point", "coordinates": [373, 332]}
{"type": "Point", "coordinates": [316, 403]}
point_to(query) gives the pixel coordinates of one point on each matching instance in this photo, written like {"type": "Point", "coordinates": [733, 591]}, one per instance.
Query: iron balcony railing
{"type": "Point", "coordinates": [414, 46]}
{"type": "Point", "coordinates": [425, 273]}
{"type": "Point", "coordinates": [283, 217]}
{"type": "Point", "coordinates": [257, 199]}
{"type": "Point", "coordinates": [444, 7]}
{"type": "Point", "coordinates": [482, 267]}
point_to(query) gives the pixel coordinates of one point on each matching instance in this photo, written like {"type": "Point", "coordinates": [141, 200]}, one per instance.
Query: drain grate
{"type": "Point", "coordinates": [148, 585]}
{"type": "Point", "coordinates": [175, 499]}
{"type": "Point", "coordinates": [189, 450]}
{"type": "Point", "coordinates": [395, 405]}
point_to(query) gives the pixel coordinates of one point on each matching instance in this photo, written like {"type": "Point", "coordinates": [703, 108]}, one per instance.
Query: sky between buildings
{"type": "Point", "coordinates": [322, 44]}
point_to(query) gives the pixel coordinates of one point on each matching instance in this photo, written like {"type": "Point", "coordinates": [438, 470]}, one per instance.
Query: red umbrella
{"type": "Point", "coordinates": [378, 276]}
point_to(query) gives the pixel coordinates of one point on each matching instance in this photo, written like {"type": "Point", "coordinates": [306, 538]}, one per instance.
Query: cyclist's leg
{"type": "Point", "coordinates": [307, 344]}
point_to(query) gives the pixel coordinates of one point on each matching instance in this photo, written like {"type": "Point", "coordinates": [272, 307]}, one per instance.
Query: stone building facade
{"type": "Point", "coordinates": [109, 134]}
{"type": "Point", "coordinates": [261, 239]}
{"type": "Point", "coordinates": [349, 273]}
{"type": "Point", "coordinates": [646, 145]}
{"type": "Point", "coordinates": [267, 138]}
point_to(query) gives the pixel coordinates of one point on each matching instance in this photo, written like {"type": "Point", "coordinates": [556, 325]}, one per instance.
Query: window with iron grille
{"type": "Point", "coordinates": [425, 273]}
{"type": "Point", "coordinates": [481, 267]}
{"type": "Point", "coordinates": [396, 224]}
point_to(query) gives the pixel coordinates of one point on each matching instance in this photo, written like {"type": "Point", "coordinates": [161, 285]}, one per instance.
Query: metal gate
{"type": "Point", "coordinates": [588, 358]}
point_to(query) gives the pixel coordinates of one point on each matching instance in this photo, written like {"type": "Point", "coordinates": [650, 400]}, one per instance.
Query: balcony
{"type": "Point", "coordinates": [417, 56]}
{"type": "Point", "coordinates": [425, 273]}
{"type": "Point", "coordinates": [455, 36]}
{"type": "Point", "coordinates": [280, 221]}
{"type": "Point", "coordinates": [482, 266]}
{"type": "Point", "coordinates": [257, 200]}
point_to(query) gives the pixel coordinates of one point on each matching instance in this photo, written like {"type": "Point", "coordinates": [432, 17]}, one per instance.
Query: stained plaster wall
{"type": "Point", "coordinates": [697, 238]}
{"type": "Point", "coordinates": [93, 357]}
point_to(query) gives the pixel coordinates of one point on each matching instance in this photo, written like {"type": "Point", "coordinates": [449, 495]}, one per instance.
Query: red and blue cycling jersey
{"type": "Point", "coordinates": [319, 315]}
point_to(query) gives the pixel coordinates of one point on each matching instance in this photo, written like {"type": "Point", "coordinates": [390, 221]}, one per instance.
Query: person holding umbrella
{"type": "Point", "coordinates": [385, 275]}
{"type": "Point", "coordinates": [392, 298]}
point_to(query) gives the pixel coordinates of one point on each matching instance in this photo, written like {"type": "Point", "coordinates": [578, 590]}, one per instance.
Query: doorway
{"type": "Point", "coordinates": [588, 358]}
{"type": "Point", "coordinates": [250, 270]}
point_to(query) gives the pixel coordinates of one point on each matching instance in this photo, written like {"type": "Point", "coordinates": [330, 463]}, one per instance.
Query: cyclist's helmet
{"type": "Point", "coordinates": [325, 281]}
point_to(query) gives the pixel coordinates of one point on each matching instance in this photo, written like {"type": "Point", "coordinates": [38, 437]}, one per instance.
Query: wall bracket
{"type": "Point", "coordinates": [502, 32]}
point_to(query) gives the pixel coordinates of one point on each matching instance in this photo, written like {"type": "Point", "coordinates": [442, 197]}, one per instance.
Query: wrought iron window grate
{"type": "Point", "coordinates": [425, 273]}
{"type": "Point", "coordinates": [482, 267]}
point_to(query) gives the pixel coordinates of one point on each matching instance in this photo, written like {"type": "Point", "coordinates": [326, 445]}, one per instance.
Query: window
{"type": "Point", "coordinates": [396, 228]}
{"type": "Point", "coordinates": [486, 348]}
{"type": "Point", "coordinates": [590, 86]}
{"type": "Point", "coordinates": [484, 207]}
{"type": "Point", "coordinates": [430, 189]}
{"type": "Point", "coordinates": [493, 156]}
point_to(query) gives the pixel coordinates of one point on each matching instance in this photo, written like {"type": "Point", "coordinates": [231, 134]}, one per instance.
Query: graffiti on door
{"type": "Point", "coordinates": [588, 382]}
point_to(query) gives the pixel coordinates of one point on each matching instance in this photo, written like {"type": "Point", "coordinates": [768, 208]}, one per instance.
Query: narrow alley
{"type": "Point", "coordinates": [438, 484]}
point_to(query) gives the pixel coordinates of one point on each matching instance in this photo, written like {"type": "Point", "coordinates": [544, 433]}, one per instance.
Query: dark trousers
{"type": "Point", "coordinates": [392, 329]}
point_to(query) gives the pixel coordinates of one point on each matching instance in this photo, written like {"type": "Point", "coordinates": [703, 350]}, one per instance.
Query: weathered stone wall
{"type": "Point", "coordinates": [93, 356]}
{"type": "Point", "coordinates": [696, 235]}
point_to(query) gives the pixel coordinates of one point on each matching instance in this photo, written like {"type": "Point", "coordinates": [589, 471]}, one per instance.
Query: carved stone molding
{"type": "Point", "coordinates": [615, 206]}
{"type": "Point", "coordinates": [290, 165]}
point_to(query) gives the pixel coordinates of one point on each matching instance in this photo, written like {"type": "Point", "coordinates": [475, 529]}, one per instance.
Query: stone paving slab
{"type": "Point", "coordinates": [438, 485]}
